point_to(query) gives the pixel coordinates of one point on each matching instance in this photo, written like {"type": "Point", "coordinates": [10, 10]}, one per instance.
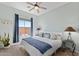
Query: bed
{"type": "Point", "coordinates": [39, 46]}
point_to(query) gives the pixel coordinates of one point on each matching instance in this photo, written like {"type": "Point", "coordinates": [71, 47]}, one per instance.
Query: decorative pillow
{"type": "Point", "coordinates": [46, 35]}
{"type": "Point", "coordinates": [56, 36]}
{"type": "Point", "coordinates": [53, 36]}
{"type": "Point", "coordinates": [40, 34]}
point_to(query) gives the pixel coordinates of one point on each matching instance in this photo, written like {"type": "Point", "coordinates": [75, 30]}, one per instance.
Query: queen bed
{"type": "Point", "coordinates": [38, 46]}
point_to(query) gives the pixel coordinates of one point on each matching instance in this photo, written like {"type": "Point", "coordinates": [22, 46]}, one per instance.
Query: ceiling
{"type": "Point", "coordinates": [25, 7]}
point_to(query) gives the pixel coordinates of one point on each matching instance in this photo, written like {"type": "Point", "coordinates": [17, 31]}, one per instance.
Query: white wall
{"type": "Point", "coordinates": [57, 20]}
{"type": "Point", "coordinates": [8, 13]}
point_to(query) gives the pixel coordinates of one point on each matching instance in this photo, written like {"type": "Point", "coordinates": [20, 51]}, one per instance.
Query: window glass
{"type": "Point", "coordinates": [24, 27]}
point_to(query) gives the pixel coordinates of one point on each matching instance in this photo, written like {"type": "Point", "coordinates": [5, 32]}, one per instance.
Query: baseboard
{"type": "Point", "coordinates": [15, 43]}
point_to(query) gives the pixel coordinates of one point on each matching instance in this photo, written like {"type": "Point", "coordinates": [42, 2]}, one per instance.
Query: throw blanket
{"type": "Point", "coordinates": [41, 46]}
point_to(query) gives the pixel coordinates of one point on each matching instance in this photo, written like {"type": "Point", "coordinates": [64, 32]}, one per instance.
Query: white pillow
{"type": "Point", "coordinates": [56, 36]}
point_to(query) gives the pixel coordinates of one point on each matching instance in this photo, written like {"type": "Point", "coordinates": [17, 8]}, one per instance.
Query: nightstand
{"type": "Point", "coordinates": [69, 44]}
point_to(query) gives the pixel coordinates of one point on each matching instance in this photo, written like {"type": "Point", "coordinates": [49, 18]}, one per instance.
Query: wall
{"type": "Point", "coordinates": [8, 13]}
{"type": "Point", "coordinates": [57, 20]}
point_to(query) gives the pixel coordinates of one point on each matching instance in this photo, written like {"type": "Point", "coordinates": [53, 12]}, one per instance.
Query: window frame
{"type": "Point", "coordinates": [23, 19]}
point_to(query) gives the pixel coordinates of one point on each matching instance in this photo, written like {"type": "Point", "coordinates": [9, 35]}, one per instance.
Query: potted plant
{"type": "Point", "coordinates": [1, 43]}
{"type": "Point", "coordinates": [6, 40]}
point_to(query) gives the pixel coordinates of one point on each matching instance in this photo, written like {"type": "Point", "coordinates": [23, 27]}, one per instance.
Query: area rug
{"type": "Point", "coordinates": [14, 50]}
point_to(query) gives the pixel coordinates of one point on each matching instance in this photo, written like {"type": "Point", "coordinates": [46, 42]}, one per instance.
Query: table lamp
{"type": "Point", "coordinates": [70, 29]}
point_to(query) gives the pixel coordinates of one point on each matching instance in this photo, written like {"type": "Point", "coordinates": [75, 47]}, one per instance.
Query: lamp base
{"type": "Point", "coordinates": [69, 37]}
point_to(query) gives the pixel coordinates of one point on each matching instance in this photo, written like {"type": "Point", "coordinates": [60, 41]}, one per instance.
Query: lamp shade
{"type": "Point", "coordinates": [39, 28]}
{"type": "Point", "coordinates": [70, 29]}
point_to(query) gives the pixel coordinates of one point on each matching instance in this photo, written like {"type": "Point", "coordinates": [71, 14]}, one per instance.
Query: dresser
{"type": "Point", "coordinates": [69, 44]}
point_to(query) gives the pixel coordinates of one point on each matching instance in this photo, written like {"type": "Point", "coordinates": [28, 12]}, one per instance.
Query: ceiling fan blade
{"type": "Point", "coordinates": [43, 7]}
{"type": "Point", "coordinates": [39, 3]}
{"type": "Point", "coordinates": [30, 3]}
{"type": "Point", "coordinates": [38, 10]}
{"type": "Point", "coordinates": [32, 8]}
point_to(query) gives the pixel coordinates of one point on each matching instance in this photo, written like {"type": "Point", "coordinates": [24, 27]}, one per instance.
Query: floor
{"type": "Point", "coordinates": [15, 50]}
{"type": "Point", "coordinates": [65, 52]}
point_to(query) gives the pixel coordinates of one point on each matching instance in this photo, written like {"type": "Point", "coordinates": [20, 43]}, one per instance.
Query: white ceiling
{"type": "Point", "coordinates": [24, 6]}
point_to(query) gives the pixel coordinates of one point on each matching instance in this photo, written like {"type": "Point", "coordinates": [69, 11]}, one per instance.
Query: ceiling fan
{"type": "Point", "coordinates": [36, 6]}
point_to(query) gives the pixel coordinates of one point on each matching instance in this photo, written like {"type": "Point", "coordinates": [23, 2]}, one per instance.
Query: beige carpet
{"type": "Point", "coordinates": [13, 51]}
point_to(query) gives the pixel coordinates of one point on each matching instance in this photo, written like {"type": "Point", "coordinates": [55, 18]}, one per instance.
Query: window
{"type": "Point", "coordinates": [24, 27]}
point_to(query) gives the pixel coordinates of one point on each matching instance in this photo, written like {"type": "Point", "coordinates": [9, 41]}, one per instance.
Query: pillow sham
{"type": "Point", "coordinates": [56, 36]}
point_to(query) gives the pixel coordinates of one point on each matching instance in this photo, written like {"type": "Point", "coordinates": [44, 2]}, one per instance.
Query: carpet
{"type": "Point", "coordinates": [14, 50]}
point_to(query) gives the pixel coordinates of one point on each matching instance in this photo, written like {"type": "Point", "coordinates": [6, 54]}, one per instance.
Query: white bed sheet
{"type": "Point", "coordinates": [35, 52]}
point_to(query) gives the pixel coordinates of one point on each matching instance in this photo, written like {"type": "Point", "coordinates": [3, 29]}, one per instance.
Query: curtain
{"type": "Point", "coordinates": [16, 29]}
{"type": "Point", "coordinates": [31, 26]}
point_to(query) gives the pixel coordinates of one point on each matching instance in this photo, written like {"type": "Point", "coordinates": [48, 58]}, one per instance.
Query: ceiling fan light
{"type": "Point", "coordinates": [36, 7]}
